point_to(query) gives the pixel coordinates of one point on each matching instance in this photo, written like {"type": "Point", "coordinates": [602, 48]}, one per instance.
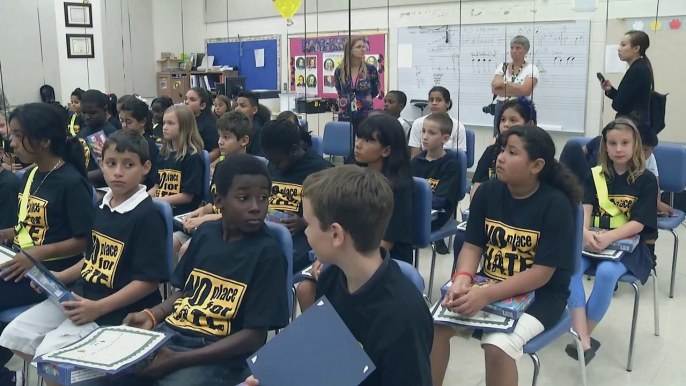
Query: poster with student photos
{"type": "Point", "coordinates": [300, 75]}
{"type": "Point", "coordinates": [331, 47]}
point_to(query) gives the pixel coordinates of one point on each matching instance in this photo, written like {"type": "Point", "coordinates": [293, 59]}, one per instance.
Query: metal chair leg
{"type": "Point", "coordinates": [295, 302]}
{"type": "Point", "coordinates": [580, 355]}
{"type": "Point", "coordinates": [656, 304]}
{"type": "Point", "coordinates": [416, 258]}
{"type": "Point", "coordinates": [537, 367]}
{"type": "Point", "coordinates": [433, 266]}
{"type": "Point", "coordinates": [674, 255]}
{"type": "Point", "coordinates": [634, 319]}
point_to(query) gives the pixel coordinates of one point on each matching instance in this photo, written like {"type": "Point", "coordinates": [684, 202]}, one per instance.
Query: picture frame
{"type": "Point", "coordinates": [78, 15]}
{"type": "Point", "coordinates": [80, 46]}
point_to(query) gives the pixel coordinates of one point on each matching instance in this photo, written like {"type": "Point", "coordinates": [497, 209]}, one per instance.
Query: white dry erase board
{"type": "Point", "coordinates": [465, 65]}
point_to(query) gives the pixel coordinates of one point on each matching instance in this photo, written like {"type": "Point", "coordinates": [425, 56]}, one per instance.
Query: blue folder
{"type": "Point", "coordinates": [316, 349]}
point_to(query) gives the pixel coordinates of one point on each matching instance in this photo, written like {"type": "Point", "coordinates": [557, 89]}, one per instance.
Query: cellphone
{"type": "Point", "coordinates": [600, 76]}
{"type": "Point", "coordinates": [662, 214]}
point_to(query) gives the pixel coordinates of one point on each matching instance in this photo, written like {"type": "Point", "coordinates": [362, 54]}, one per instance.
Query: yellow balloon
{"type": "Point", "coordinates": [287, 8]}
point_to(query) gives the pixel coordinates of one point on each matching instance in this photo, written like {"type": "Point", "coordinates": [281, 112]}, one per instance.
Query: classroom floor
{"type": "Point", "coordinates": [658, 360]}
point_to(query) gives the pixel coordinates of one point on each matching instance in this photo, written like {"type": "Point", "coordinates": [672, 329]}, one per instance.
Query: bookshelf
{"type": "Point", "coordinates": [175, 84]}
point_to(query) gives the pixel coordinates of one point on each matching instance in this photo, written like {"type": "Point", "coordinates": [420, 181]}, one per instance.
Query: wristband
{"type": "Point", "coordinates": [151, 315]}
{"type": "Point", "coordinates": [458, 273]}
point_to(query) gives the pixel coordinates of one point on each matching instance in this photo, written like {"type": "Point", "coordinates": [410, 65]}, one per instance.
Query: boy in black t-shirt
{"type": "Point", "coordinates": [235, 131]}
{"type": "Point", "coordinates": [249, 104]}
{"type": "Point", "coordinates": [440, 169]}
{"type": "Point", "coordinates": [232, 283]}
{"type": "Point", "coordinates": [122, 269]}
{"type": "Point", "coordinates": [347, 210]}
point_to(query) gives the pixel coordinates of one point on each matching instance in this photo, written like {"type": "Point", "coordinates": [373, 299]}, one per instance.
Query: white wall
{"type": "Point", "coordinates": [169, 37]}
{"type": "Point", "coordinates": [23, 69]}
{"type": "Point", "coordinates": [79, 72]}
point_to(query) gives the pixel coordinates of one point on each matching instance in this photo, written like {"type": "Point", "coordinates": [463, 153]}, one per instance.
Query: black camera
{"type": "Point", "coordinates": [489, 109]}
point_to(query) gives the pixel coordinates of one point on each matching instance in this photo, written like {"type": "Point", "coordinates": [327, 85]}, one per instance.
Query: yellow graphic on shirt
{"type": "Point", "coordinates": [101, 266]}
{"type": "Point", "coordinates": [211, 306]}
{"type": "Point", "coordinates": [213, 190]}
{"type": "Point", "coordinates": [285, 197]}
{"type": "Point", "coordinates": [76, 129]}
{"type": "Point", "coordinates": [509, 250]}
{"type": "Point", "coordinates": [433, 183]}
{"type": "Point", "coordinates": [86, 151]}
{"type": "Point", "coordinates": [36, 222]}
{"type": "Point", "coordinates": [623, 202]}
{"type": "Point", "coordinates": [170, 182]}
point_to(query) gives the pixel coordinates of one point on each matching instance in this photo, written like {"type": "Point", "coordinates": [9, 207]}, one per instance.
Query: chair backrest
{"type": "Point", "coordinates": [283, 237]}
{"type": "Point", "coordinates": [412, 274]}
{"type": "Point", "coordinates": [337, 140]}
{"type": "Point", "coordinates": [206, 179]}
{"type": "Point", "coordinates": [317, 146]}
{"type": "Point", "coordinates": [671, 163]}
{"type": "Point", "coordinates": [462, 182]}
{"type": "Point", "coordinates": [470, 149]}
{"type": "Point", "coordinates": [578, 237]}
{"type": "Point", "coordinates": [164, 209]}
{"type": "Point", "coordinates": [421, 213]}
{"type": "Point", "coordinates": [304, 124]}
{"type": "Point", "coordinates": [266, 161]}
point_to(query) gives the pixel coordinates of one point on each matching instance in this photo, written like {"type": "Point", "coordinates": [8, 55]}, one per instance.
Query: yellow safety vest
{"type": "Point", "coordinates": [617, 218]}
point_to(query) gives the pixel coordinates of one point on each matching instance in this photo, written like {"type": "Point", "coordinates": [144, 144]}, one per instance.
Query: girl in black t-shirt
{"type": "Point", "coordinates": [632, 192]}
{"type": "Point", "coordinates": [521, 224]}
{"type": "Point", "coordinates": [200, 102]}
{"type": "Point", "coordinates": [180, 164]}
{"type": "Point", "coordinates": [75, 120]}
{"type": "Point", "coordinates": [135, 115]}
{"type": "Point", "coordinates": [515, 112]}
{"type": "Point", "coordinates": [59, 204]}
{"type": "Point", "coordinates": [158, 107]}
{"type": "Point", "coordinates": [111, 114]}
{"type": "Point", "coordinates": [290, 164]}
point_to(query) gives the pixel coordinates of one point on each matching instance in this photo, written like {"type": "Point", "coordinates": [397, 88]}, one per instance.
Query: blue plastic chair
{"type": "Point", "coordinates": [470, 148]}
{"type": "Point", "coordinates": [317, 145]}
{"type": "Point", "coordinates": [166, 211]}
{"type": "Point", "coordinates": [283, 237]}
{"type": "Point", "coordinates": [266, 161]}
{"type": "Point", "coordinates": [564, 325]}
{"type": "Point", "coordinates": [206, 176]}
{"type": "Point", "coordinates": [411, 274]}
{"type": "Point", "coordinates": [671, 162]}
{"type": "Point", "coordinates": [337, 139]}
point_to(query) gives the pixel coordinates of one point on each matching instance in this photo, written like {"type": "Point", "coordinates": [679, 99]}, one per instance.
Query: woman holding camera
{"type": "Point", "coordinates": [514, 79]}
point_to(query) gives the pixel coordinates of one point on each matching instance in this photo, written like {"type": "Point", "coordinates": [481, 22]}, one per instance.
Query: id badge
{"type": "Point", "coordinates": [353, 103]}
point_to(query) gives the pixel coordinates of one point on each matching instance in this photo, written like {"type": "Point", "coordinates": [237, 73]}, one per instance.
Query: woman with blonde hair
{"type": "Point", "coordinates": [357, 84]}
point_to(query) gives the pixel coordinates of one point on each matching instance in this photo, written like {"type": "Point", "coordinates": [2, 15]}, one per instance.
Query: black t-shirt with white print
{"type": "Point", "coordinates": [60, 206]}
{"type": "Point", "coordinates": [485, 169]}
{"type": "Point", "coordinates": [515, 234]}
{"type": "Point", "coordinates": [637, 200]}
{"type": "Point", "coordinates": [124, 247]}
{"type": "Point", "coordinates": [389, 319]}
{"type": "Point", "coordinates": [229, 286]}
{"type": "Point", "coordinates": [181, 176]}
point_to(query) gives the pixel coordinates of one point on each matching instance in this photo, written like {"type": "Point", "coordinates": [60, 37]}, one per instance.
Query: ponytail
{"type": "Point", "coordinates": [652, 77]}
{"type": "Point", "coordinates": [112, 104]}
{"type": "Point", "coordinates": [41, 121]}
{"type": "Point", "coordinates": [539, 144]}
{"type": "Point", "coordinates": [72, 152]}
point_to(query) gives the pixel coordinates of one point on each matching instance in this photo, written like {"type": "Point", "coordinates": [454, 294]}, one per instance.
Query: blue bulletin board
{"type": "Point", "coordinates": [241, 53]}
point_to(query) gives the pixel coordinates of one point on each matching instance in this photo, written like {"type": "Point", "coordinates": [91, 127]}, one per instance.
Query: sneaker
{"type": "Point", "coordinates": [441, 247]}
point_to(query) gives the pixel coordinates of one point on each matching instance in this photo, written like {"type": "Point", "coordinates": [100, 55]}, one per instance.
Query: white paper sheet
{"type": "Point", "coordinates": [6, 254]}
{"type": "Point", "coordinates": [259, 57]}
{"type": "Point", "coordinates": [404, 55]}
{"type": "Point", "coordinates": [108, 348]}
{"type": "Point", "coordinates": [612, 63]}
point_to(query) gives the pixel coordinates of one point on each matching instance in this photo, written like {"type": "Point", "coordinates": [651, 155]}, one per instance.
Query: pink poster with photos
{"type": "Point", "coordinates": [313, 62]}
